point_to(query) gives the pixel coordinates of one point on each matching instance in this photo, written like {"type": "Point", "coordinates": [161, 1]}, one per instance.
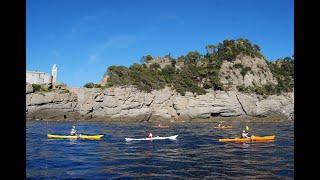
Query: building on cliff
{"type": "Point", "coordinates": [36, 77]}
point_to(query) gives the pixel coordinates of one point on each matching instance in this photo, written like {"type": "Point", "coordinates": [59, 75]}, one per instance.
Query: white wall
{"type": "Point", "coordinates": [37, 78]}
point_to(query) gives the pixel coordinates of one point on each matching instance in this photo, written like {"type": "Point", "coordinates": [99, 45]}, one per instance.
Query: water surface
{"type": "Point", "coordinates": [195, 154]}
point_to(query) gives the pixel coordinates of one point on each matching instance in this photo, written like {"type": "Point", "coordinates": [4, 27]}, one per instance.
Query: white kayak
{"type": "Point", "coordinates": [153, 138]}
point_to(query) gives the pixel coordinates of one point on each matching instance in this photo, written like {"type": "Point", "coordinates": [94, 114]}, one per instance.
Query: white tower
{"type": "Point", "coordinates": [54, 74]}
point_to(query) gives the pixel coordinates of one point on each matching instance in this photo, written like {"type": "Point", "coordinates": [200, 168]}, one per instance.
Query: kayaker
{"type": "Point", "coordinates": [245, 134]}
{"type": "Point", "coordinates": [73, 131]}
{"type": "Point", "coordinates": [149, 135]}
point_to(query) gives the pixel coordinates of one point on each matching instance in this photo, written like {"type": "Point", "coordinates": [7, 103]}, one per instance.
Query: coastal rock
{"type": "Point", "coordinates": [275, 105]}
{"type": "Point", "coordinates": [128, 103]}
{"type": "Point", "coordinates": [258, 74]}
{"type": "Point", "coordinates": [248, 103]}
{"type": "Point", "coordinates": [212, 104]}
{"type": "Point", "coordinates": [29, 88]}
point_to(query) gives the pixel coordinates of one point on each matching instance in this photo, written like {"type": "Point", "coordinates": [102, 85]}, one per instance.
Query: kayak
{"type": "Point", "coordinates": [153, 138]}
{"type": "Point", "coordinates": [223, 127]}
{"type": "Point", "coordinates": [162, 126]}
{"type": "Point", "coordinates": [92, 137]}
{"type": "Point", "coordinates": [252, 138]}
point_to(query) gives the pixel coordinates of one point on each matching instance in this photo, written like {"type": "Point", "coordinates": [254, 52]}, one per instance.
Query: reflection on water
{"type": "Point", "coordinates": [195, 154]}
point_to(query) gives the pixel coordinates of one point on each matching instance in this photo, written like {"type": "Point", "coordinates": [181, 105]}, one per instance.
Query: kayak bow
{"type": "Point", "coordinates": [92, 137]}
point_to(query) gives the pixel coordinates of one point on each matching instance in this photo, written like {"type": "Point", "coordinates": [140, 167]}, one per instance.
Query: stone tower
{"type": "Point", "coordinates": [54, 74]}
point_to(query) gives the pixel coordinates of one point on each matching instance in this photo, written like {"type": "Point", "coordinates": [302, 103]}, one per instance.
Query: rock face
{"type": "Point", "coordinates": [51, 105]}
{"type": "Point", "coordinates": [127, 103]}
{"type": "Point", "coordinates": [29, 88]}
{"type": "Point", "coordinates": [259, 73]}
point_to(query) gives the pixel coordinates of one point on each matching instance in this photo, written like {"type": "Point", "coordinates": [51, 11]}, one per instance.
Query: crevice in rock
{"type": "Point", "coordinates": [215, 114]}
{"type": "Point", "coordinates": [150, 103]}
{"type": "Point", "coordinates": [146, 117]}
{"type": "Point", "coordinates": [241, 105]}
{"type": "Point", "coordinates": [149, 116]}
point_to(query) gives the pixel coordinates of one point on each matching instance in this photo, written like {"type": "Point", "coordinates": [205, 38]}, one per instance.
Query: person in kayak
{"type": "Point", "coordinates": [245, 134]}
{"type": "Point", "coordinates": [149, 135]}
{"type": "Point", "coordinates": [73, 131]}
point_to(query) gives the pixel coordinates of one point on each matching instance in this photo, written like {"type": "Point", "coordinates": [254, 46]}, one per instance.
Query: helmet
{"type": "Point", "coordinates": [73, 127]}
{"type": "Point", "coordinates": [243, 131]}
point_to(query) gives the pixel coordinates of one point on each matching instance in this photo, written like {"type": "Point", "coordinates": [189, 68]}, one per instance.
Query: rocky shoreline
{"type": "Point", "coordinates": [130, 104]}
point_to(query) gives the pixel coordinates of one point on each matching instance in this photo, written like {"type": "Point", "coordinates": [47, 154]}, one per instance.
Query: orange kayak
{"type": "Point", "coordinates": [252, 138]}
{"type": "Point", "coordinates": [223, 127]}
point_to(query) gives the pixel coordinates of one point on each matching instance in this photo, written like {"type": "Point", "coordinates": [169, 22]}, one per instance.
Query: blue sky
{"type": "Point", "coordinates": [84, 37]}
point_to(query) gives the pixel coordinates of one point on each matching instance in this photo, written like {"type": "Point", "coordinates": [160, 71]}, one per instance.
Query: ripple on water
{"type": "Point", "coordinates": [195, 154]}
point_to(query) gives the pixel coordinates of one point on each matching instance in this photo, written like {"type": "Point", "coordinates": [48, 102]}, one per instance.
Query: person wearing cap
{"type": "Point", "coordinates": [73, 131]}
{"type": "Point", "coordinates": [245, 134]}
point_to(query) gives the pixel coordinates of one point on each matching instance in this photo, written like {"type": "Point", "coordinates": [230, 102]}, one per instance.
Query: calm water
{"type": "Point", "coordinates": [195, 154]}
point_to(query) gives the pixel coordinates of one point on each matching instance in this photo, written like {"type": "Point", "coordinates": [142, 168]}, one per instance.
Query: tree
{"type": "Point", "coordinates": [211, 49]}
{"type": "Point", "coordinates": [89, 85]}
{"type": "Point", "coordinates": [146, 59]}
{"type": "Point", "coordinates": [192, 57]}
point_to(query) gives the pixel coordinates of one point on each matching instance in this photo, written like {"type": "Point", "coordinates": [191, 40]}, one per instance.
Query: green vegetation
{"type": "Point", "coordinates": [41, 88]}
{"type": "Point", "coordinates": [146, 58]}
{"type": "Point", "coordinates": [92, 85]}
{"type": "Point", "coordinates": [260, 90]}
{"type": "Point", "coordinates": [230, 49]}
{"type": "Point", "coordinates": [238, 66]}
{"type": "Point", "coordinates": [244, 70]}
{"type": "Point", "coordinates": [64, 91]}
{"type": "Point", "coordinates": [283, 71]}
{"type": "Point", "coordinates": [36, 87]}
{"type": "Point", "coordinates": [197, 73]}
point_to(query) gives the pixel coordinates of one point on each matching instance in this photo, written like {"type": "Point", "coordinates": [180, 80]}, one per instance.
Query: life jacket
{"type": "Point", "coordinates": [73, 131]}
{"type": "Point", "coordinates": [244, 134]}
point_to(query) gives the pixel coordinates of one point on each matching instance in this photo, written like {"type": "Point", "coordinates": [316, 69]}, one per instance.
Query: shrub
{"type": "Point", "coordinates": [238, 66]}
{"type": "Point", "coordinates": [36, 87]}
{"type": "Point", "coordinates": [245, 70]}
{"type": "Point", "coordinates": [283, 71]}
{"type": "Point", "coordinates": [92, 85]}
{"type": "Point", "coordinates": [64, 91]}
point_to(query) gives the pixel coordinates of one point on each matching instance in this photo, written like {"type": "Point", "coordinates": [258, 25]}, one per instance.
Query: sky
{"type": "Point", "coordinates": [84, 37]}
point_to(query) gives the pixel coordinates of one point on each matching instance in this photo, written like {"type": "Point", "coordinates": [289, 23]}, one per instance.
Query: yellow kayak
{"type": "Point", "coordinates": [252, 138]}
{"type": "Point", "coordinates": [92, 137]}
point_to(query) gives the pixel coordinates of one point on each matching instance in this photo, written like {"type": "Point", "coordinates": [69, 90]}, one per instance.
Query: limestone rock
{"type": "Point", "coordinates": [29, 88]}
{"type": "Point", "coordinates": [128, 103]}
{"type": "Point", "coordinates": [259, 73]}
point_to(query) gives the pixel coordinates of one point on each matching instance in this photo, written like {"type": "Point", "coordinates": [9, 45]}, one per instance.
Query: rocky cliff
{"type": "Point", "coordinates": [247, 71]}
{"type": "Point", "coordinates": [128, 103]}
